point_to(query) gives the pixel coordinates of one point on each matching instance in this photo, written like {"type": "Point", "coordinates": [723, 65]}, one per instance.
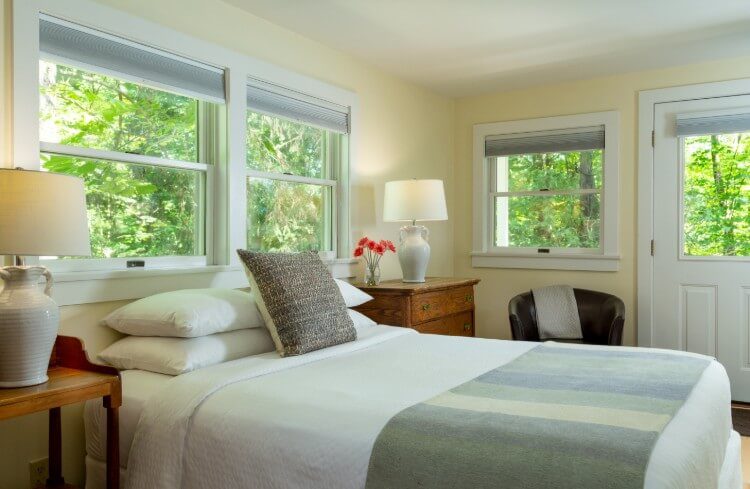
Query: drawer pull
{"type": "Point", "coordinates": [469, 297]}
{"type": "Point", "coordinates": [425, 307]}
{"type": "Point", "coordinates": [467, 327]}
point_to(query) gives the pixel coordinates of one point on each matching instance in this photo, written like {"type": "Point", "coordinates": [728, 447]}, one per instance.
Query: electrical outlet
{"type": "Point", "coordinates": [38, 472]}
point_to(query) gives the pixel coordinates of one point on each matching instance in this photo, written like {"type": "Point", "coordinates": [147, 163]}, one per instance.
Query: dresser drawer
{"type": "Point", "coordinates": [457, 325]}
{"type": "Point", "coordinates": [433, 305]}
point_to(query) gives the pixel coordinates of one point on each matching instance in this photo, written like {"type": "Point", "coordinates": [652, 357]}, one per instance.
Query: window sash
{"type": "Point", "coordinates": [102, 154]}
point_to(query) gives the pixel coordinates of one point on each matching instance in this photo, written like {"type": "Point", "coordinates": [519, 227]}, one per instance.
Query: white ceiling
{"type": "Point", "coordinates": [465, 47]}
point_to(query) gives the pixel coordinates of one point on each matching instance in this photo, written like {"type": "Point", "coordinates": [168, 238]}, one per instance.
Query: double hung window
{"type": "Point", "coordinates": [546, 196]}
{"type": "Point", "coordinates": [140, 127]}
{"type": "Point", "coordinates": [297, 156]}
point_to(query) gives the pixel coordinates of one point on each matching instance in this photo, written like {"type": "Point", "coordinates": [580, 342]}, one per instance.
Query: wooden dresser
{"type": "Point", "coordinates": [437, 306]}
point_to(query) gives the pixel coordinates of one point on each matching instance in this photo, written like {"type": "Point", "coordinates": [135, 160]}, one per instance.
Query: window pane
{"type": "Point", "coordinates": [717, 195]}
{"type": "Point", "coordinates": [555, 221]}
{"type": "Point", "coordinates": [286, 216]}
{"type": "Point", "coordinates": [555, 171]}
{"type": "Point", "coordinates": [138, 210]}
{"type": "Point", "coordinates": [80, 108]}
{"type": "Point", "coordinates": [282, 146]}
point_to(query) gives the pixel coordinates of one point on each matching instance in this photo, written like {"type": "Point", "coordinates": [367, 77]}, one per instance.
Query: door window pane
{"type": "Point", "coordinates": [138, 210]}
{"type": "Point", "coordinates": [716, 195]}
{"type": "Point", "coordinates": [554, 171]}
{"type": "Point", "coordinates": [556, 221]}
{"type": "Point", "coordinates": [287, 216]}
{"type": "Point", "coordinates": [282, 146]}
{"type": "Point", "coordinates": [84, 109]}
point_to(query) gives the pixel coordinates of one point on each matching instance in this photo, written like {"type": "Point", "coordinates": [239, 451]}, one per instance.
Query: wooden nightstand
{"type": "Point", "coordinates": [437, 306]}
{"type": "Point", "coordinates": [72, 379]}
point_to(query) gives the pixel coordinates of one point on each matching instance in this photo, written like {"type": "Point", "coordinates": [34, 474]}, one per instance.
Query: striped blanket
{"type": "Point", "coordinates": [558, 416]}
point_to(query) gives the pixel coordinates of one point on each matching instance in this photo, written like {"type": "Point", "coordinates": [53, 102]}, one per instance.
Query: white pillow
{"type": "Point", "coordinates": [187, 313]}
{"type": "Point", "coordinates": [360, 320]}
{"type": "Point", "coordinates": [174, 356]}
{"type": "Point", "coordinates": [352, 295]}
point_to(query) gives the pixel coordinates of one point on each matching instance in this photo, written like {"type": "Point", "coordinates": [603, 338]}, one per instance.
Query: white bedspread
{"type": "Point", "coordinates": [311, 421]}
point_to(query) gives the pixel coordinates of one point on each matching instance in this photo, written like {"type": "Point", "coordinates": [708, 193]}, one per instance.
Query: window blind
{"type": "Point", "coordinates": [275, 100]}
{"type": "Point", "coordinates": [717, 122]}
{"type": "Point", "coordinates": [71, 44]}
{"type": "Point", "coordinates": [579, 139]}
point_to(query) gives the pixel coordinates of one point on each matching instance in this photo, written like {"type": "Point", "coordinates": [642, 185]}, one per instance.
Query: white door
{"type": "Point", "coordinates": [701, 265]}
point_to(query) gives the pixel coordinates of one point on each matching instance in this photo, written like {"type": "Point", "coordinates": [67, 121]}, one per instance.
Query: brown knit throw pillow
{"type": "Point", "coordinates": [299, 300]}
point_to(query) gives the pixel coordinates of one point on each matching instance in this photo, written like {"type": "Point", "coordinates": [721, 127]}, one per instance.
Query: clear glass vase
{"type": "Point", "coordinates": [372, 275]}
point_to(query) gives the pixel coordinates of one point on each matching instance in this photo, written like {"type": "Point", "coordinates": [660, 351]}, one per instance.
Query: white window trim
{"type": "Point", "coordinates": [486, 255]}
{"type": "Point", "coordinates": [226, 224]}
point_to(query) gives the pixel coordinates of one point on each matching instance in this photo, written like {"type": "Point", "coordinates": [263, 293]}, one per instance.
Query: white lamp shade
{"type": "Point", "coordinates": [414, 200]}
{"type": "Point", "coordinates": [42, 214]}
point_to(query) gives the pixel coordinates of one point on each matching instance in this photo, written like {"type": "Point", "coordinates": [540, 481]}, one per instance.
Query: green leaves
{"type": "Point", "coordinates": [717, 195]}
{"type": "Point", "coordinates": [134, 210]}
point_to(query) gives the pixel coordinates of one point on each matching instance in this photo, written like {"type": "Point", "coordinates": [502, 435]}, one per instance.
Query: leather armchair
{"type": "Point", "coordinates": [602, 317]}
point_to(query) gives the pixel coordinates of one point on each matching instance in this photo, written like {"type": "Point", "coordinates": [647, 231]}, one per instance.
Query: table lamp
{"type": "Point", "coordinates": [414, 200]}
{"type": "Point", "coordinates": [41, 214]}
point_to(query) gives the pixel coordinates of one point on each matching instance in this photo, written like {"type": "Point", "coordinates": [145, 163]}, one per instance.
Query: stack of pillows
{"type": "Point", "coordinates": [177, 332]}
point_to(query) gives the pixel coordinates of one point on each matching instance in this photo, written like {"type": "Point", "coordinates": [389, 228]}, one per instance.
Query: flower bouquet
{"type": "Point", "coordinates": [373, 251]}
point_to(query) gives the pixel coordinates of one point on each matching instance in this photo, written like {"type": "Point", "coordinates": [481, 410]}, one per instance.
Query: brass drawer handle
{"type": "Point", "coordinates": [467, 327]}
{"type": "Point", "coordinates": [425, 307]}
{"type": "Point", "coordinates": [469, 297]}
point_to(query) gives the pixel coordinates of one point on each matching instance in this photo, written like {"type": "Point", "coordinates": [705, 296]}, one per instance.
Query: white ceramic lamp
{"type": "Point", "coordinates": [414, 200]}
{"type": "Point", "coordinates": [41, 214]}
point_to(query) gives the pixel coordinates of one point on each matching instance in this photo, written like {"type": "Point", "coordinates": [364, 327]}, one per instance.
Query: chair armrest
{"type": "Point", "coordinates": [613, 315]}
{"type": "Point", "coordinates": [522, 315]}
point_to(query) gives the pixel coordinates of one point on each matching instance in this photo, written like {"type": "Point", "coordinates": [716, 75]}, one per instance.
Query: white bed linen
{"type": "Point", "coordinates": [137, 387]}
{"type": "Point", "coordinates": [311, 421]}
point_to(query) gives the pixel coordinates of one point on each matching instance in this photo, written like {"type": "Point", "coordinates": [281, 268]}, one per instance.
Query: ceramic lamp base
{"type": "Point", "coordinates": [28, 326]}
{"type": "Point", "coordinates": [414, 253]}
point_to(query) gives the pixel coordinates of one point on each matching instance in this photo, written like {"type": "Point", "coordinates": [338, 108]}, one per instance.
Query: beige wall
{"type": "Point", "coordinates": [405, 131]}
{"type": "Point", "coordinates": [610, 93]}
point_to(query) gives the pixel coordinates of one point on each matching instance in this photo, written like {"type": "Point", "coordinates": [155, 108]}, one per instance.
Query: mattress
{"type": "Point", "coordinates": [311, 421]}
{"type": "Point", "coordinates": [137, 387]}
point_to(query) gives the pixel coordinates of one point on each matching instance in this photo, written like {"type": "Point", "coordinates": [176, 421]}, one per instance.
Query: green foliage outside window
{"type": "Point", "coordinates": [717, 195]}
{"type": "Point", "coordinates": [282, 215]}
{"type": "Point", "coordinates": [134, 210]}
{"type": "Point", "coordinates": [556, 221]}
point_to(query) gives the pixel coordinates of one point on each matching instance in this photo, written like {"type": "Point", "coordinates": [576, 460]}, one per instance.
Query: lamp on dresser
{"type": "Point", "coordinates": [41, 214]}
{"type": "Point", "coordinates": [414, 200]}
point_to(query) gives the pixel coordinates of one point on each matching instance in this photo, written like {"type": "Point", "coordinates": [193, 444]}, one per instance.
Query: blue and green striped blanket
{"type": "Point", "coordinates": [557, 416]}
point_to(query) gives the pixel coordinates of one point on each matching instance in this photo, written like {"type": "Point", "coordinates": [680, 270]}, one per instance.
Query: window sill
{"type": "Point", "coordinates": [88, 287]}
{"type": "Point", "coordinates": [582, 262]}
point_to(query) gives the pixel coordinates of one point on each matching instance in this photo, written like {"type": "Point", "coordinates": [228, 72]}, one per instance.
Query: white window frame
{"type": "Point", "coordinates": [486, 255]}
{"type": "Point", "coordinates": [226, 223]}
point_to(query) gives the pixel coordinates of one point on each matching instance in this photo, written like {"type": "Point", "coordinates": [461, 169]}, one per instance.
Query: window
{"type": "Point", "coordinates": [178, 175]}
{"type": "Point", "coordinates": [715, 154]}
{"type": "Point", "coordinates": [141, 150]}
{"type": "Point", "coordinates": [297, 150]}
{"type": "Point", "coordinates": [545, 189]}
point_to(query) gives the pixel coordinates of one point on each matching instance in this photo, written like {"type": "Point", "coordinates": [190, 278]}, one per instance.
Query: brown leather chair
{"type": "Point", "coordinates": [602, 317]}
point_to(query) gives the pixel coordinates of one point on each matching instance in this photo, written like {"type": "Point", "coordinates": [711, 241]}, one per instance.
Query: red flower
{"type": "Point", "coordinates": [379, 248]}
{"type": "Point", "coordinates": [358, 251]}
{"type": "Point", "coordinates": [371, 245]}
{"type": "Point", "coordinates": [363, 241]}
{"type": "Point", "coordinates": [389, 244]}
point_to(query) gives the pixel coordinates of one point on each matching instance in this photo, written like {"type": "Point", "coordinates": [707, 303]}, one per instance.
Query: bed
{"type": "Point", "coordinates": [312, 420]}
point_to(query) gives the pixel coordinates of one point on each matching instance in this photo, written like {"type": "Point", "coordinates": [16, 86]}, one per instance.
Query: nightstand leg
{"type": "Point", "coordinates": [113, 444]}
{"type": "Point", "coordinates": [55, 448]}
